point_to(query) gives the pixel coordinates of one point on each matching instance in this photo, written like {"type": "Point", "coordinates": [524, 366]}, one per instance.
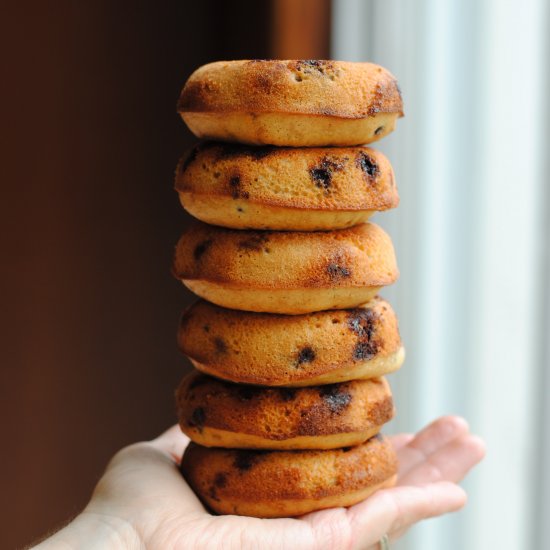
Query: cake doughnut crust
{"type": "Point", "coordinates": [299, 103]}
{"type": "Point", "coordinates": [285, 272]}
{"type": "Point", "coordinates": [270, 484]}
{"type": "Point", "coordinates": [292, 350]}
{"type": "Point", "coordinates": [214, 413]}
{"type": "Point", "coordinates": [310, 189]}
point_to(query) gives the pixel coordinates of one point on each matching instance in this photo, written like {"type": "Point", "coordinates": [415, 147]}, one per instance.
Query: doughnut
{"type": "Point", "coordinates": [214, 413]}
{"type": "Point", "coordinates": [245, 187]}
{"type": "Point", "coordinates": [299, 103]}
{"type": "Point", "coordinates": [292, 350]}
{"type": "Point", "coordinates": [270, 484]}
{"type": "Point", "coordinates": [285, 272]}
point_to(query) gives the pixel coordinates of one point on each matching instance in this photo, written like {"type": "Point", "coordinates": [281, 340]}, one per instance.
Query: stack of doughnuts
{"type": "Point", "coordinates": [290, 340]}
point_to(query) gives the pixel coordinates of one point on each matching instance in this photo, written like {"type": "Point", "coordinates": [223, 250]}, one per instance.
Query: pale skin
{"type": "Point", "coordinates": [142, 501]}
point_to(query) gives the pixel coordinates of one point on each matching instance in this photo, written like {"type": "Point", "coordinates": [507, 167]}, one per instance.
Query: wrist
{"type": "Point", "coordinates": [91, 531]}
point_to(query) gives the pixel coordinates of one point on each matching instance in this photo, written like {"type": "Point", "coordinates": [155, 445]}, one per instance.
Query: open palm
{"type": "Point", "coordinates": [143, 489]}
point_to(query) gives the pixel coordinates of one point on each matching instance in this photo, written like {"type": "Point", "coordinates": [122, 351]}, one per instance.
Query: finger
{"type": "Point", "coordinates": [432, 437]}
{"type": "Point", "coordinates": [144, 476]}
{"type": "Point", "coordinates": [451, 462]}
{"type": "Point", "coordinates": [393, 511]}
{"type": "Point", "coordinates": [173, 442]}
{"type": "Point", "coordinates": [438, 433]}
{"type": "Point", "coordinates": [400, 440]}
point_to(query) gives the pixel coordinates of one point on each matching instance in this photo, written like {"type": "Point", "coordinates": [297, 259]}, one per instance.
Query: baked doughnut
{"type": "Point", "coordinates": [266, 187]}
{"type": "Point", "coordinates": [300, 103]}
{"type": "Point", "coordinates": [285, 272]}
{"type": "Point", "coordinates": [292, 350]}
{"type": "Point", "coordinates": [214, 413]}
{"type": "Point", "coordinates": [269, 484]}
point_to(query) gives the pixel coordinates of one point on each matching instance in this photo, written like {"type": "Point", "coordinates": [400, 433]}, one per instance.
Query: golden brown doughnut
{"type": "Point", "coordinates": [292, 350]}
{"type": "Point", "coordinates": [245, 187]}
{"type": "Point", "coordinates": [271, 484]}
{"type": "Point", "coordinates": [295, 102]}
{"type": "Point", "coordinates": [285, 272]}
{"type": "Point", "coordinates": [215, 413]}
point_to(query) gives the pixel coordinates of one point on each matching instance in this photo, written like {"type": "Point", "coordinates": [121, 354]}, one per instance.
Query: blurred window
{"type": "Point", "coordinates": [472, 240]}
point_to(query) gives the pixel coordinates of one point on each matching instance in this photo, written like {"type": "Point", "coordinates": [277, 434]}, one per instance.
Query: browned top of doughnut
{"type": "Point", "coordinates": [320, 178]}
{"type": "Point", "coordinates": [283, 413]}
{"type": "Point", "coordinates": [346, 258]}
{"type": "Point", "coordinates": [259, 476]}
{"type": "Point", "coordinates": [261, 347]}
{"type": "Point", "coordinates": [314, 87]}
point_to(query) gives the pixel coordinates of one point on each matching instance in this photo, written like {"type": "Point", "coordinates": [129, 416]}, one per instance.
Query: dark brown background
{"type": "Point", "coordinates": [88, 360]}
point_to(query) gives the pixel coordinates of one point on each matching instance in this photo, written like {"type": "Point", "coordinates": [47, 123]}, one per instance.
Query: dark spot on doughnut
{"type": "Point", "coordinates": [206, 328]}
{"type": "Point", "coordinates": [315, 63]}
{"type": "Point", "coordinates": [305, 355]}
{"type": "Point", "coordinates": [321, 177]}
{"type": "Point", "coordinates": [335, 399]}
{"type": "Point", "coordinates": [363, 323]}
{"type": "Point", "coordinates": [221, 346]}
{"type": "Point", "coordinates": [386, 98]}
{"type": "Point", "coordinates": [244, 460]}
{"type": "Point", "coordinates": [213, 494]}
{"type": "Point", "coordinates": [287, 394]}
{"type": "Point", "coordinates": [254, 241]}
{"type": "Point", "coordinates": [308, 66]}
{"type": "Point", "coordinates": [263, 84]}
{"type": "Point", "coordinates": [220, 480]}
{"type": "Point", "coordinates": [378, 130]}
{"type": "Point", "coordinates": [246, 393]}
{"type": "Point", "coordinates": [235, 188]}
{"type": "Point", "coordinates": [382, 411]}
{"type": "Point", "coordinates": [198, 418]}
{"type": "Point", "coordinates": [338, 271]}
{"type": "Point", "coordinates": [201, 248]}
{"type": "Point", "coordinates": [239, 209]}
{"type": "Point", "coordinates": [367, 165]}
{"type": "Point", "coordinates": [364, 350]}
{"type": "Point", "coordinates": [322, 173]}
{"type": "Point", "coordinates": [376, 104]}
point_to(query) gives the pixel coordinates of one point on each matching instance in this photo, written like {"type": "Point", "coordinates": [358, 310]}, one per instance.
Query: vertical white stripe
{"type": "Point", "coordinates": [350, 29]}
{"type": "Point", "coordinates": [506, 344]}
{"type": "Point", "coordinates": [541, 474]}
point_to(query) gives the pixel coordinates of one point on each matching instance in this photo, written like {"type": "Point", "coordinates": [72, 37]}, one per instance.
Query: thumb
{"type": "Point", "coordinates": [145, 476]}
{"type": "Point", "coordinates": [393, 511]}
{"type": "Point", "coordinates": [173, 442]}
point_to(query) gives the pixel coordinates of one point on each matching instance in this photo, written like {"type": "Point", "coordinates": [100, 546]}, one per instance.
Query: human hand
{"type": "Point", "coordinates": [142, 501]}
